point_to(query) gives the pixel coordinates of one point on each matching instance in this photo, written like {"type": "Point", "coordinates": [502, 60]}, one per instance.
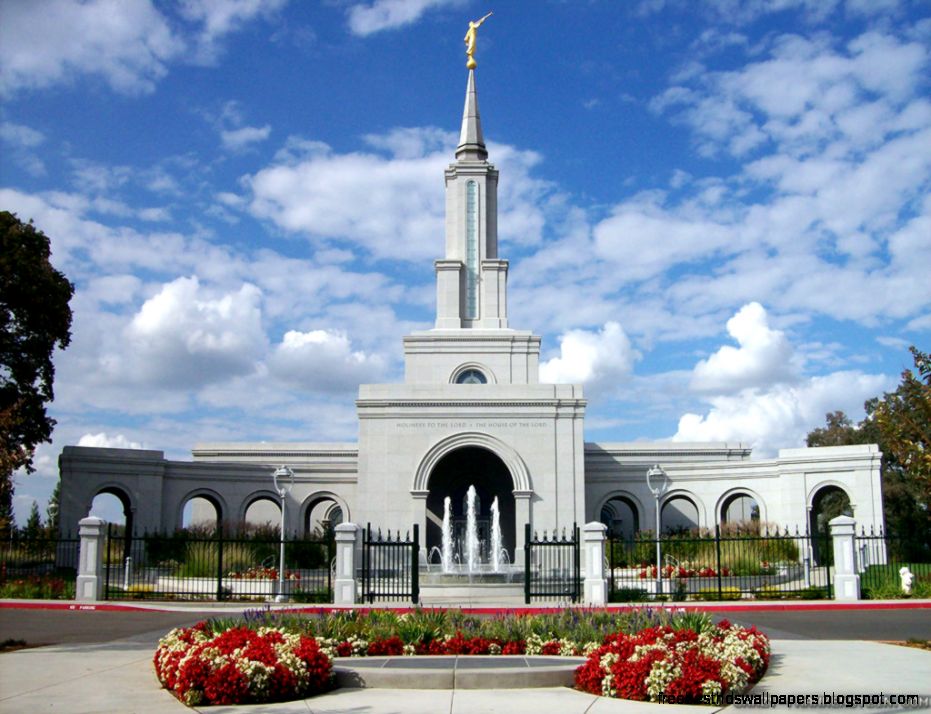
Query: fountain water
{"type": "Point", "coordinates": [472, 552]}
{"type": "Point", "coordinates": [495, 537]}
{"type": "Point", "coordinates": [447, 538]}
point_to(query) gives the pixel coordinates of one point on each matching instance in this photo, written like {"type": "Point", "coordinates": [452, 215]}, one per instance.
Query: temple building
{"type": "Point", "coordinates": [472, 411]}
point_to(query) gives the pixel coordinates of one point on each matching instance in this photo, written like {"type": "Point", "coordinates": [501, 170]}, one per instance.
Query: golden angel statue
{"type": "Point", "coordinates": [470, 38]}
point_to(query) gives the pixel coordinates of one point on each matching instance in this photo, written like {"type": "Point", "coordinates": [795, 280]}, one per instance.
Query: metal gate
{"type": "Point", "coordinates": [390, 566]}
{"type": "Point", "coordinates": [552, 566]}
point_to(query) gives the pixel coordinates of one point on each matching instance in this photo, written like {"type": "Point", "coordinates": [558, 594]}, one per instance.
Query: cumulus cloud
{"type": "Point", "coordinates": [104, 440]}
{"type": "Point", "coordinates": [184, 336]}
{"type": "Point", "coordinates": [596, 359]}
{"type": "Point", "coordinates": [388, 14]}
{"type": "Point", "coordinates": [780, 417]}
{"type": "Point", "coordinates": [764, 356]}
{"type": "Point", "coordinates": [127, 44]}
{"type": "Point", "coordinates": [757, 394]}
{"type": "Point", "coordinates": [390, 205]}
{"type": "Point", "coordinates": [323, 360]}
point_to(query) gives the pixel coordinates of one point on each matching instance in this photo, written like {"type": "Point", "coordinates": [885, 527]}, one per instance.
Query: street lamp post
{"type": "Point", "coordinates": [657, 482]}
{"type": "Point", "coordinates": [284, 481]}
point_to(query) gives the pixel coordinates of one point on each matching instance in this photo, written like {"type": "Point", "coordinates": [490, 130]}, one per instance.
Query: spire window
{"type": "Point", "coordinates": [471, 250]}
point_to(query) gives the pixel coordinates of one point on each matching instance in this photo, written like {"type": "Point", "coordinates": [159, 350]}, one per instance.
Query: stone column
{"type": "Point", "coordinates": [593, 544]}
{"type": "Point", "coordinates": [521, 516]}
{"type": "Point", "coordinates": [92, 531]}
{"type": "Point", "coordinates": [344, 587]}
{"type": "Point", "coordinates": [846, 579]}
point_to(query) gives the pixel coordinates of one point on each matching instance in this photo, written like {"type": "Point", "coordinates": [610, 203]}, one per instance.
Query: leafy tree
{"type": "Point", "coordinates": [34, 319]}
{"type": "Point", "coordinates": [900, 423]}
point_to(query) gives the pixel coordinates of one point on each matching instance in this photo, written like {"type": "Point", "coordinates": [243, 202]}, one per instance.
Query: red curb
{"type": "Point", "coordinates": [321, 610]}
{"type": "Point", "coordinates": [76, 607]}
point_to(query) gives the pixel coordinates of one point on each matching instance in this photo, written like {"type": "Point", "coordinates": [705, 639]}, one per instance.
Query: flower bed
{"type": "Point", "coordinates": [239, 665]}
{"type": "Point", "coordinates": [641, 655]}
{"type": "Point", "coordinates": [676, 665]}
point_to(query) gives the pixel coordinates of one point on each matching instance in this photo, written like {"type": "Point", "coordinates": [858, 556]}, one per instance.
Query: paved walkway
{"type": "Point", "coordinates": [117, 677]}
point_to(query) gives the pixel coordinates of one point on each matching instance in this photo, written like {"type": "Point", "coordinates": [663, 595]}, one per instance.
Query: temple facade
{"type": "Point", "coordinates": [471, 411]}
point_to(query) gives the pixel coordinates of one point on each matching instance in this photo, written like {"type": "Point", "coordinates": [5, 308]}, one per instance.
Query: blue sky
{"type": "Point", "coordinates": [717, 212]}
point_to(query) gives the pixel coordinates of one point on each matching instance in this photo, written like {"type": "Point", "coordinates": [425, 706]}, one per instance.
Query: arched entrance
{"type": "Point", "coordinates": [108, 511]}
{"type": "Point", "coordinates": [451, 477]}
{"type": "Point", "coordinates": [828, 501]}
{"type": "Point", "coordinates": [621, 517]}
{"type": "Point", "coordinates": [678, 514]}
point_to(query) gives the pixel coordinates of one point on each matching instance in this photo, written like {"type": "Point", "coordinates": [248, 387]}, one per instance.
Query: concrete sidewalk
{"type": "Point", "coordinates": [117, 677]}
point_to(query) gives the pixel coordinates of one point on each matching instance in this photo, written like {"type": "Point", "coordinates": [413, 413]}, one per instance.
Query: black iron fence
{"type": "Point", "coordinates": [768, 564]}
{"type": "Point", "coordinates": [552, 567]}
{"type": "Point", "coordinates": [40, 565]}
{"type": "Point", "coordinates": [390, 565]}
{"type": "Point", "coordinates": [200, 566]}
{"type": "Point", "coordinates": [892, 566]}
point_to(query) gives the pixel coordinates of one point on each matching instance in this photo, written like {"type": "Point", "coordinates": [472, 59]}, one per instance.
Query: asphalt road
{"type": "Point", "coordinates": [42, 627]}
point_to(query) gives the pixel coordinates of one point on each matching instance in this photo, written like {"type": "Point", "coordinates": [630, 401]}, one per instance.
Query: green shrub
{"type": "Point", "coordinates": [629, 595]}
{"type": "Point", "coordinates": [728, 593]}
{"type": "Point", "coordinates": [39, 587]}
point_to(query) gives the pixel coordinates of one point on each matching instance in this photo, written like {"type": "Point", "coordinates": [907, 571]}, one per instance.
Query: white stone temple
{"type": "Point", "coordinates": [472, 411]}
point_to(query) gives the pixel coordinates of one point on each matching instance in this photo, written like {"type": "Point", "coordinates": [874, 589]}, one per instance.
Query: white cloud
{"type": "Point", "coordinates": [126, 43]}
{"type": "Point", "coordinates": [185, 337]}
{"type": "Point", "coordinates": [388, 14]}
{"type": "Point", "coordinates": [596, 359]}
{"type": "Point", "coordinates": [392, 206]}
{"type": "Point", "coordinates": [20, 136]}
{"type": "Point", "coordinates": [104, 440]}
{"type": "Point", "coordinates": [239, 139]}
{"type": "Point", "coordinates": [221, 17]}
{"type": "Point", "coordinates": [324, 361]}
{"type": "Point", "coordinates": [782, 416]}
{"type": "Point", "coordinates": [757, 394]}
{"type": "Point", "coordinates": [764, 357]}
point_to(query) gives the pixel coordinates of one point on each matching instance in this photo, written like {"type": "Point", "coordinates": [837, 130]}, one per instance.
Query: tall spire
{"type": "Point", "coordinates": [471, 143]}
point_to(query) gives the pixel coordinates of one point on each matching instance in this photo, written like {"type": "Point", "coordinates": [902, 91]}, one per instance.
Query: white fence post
{"type": "Point", "coordinates": [344, 588]}
{"type": "Point", "coordinates": [596, 584]}
{"type": "Point", "coordinates": [846, 578]}
{"type": "Point", "coordinates": [90, 561]}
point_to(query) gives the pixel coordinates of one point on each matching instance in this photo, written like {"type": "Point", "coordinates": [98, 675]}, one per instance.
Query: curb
{"type": "Point", "coordinates": [776, 606]}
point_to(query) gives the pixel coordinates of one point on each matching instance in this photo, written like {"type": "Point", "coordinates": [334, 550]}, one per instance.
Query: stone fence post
{"type": "Point", "coordinates": [344, 588]}
{"type": "Point", "coordinates": [846, 579]}
{"type": "Point", "coordinates": [596, 584]}
{"type": "Point", "coordinates": [92, 531]}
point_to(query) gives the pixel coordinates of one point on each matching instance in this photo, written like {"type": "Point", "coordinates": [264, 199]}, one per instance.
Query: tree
{"type": "Point", "coordinates": [35, 319]}
{"type": "Point", "coordinates": [33, 527]}
{"type": "Point", "coordinates": [900, 423]}
{"type": "Point", "coordinates": [51, 511]}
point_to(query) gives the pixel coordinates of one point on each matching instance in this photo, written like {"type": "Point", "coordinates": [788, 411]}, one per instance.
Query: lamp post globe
{"type": "Point", "coordinates": [657, 482]}
{"type": "Point", "coordinates": [283, 478]}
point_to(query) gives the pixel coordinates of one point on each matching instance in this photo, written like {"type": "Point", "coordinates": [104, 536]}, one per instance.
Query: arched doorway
{"type": "Point", "coordinates": [828, 502]}
{"type": "Point", "coordinates": [451, 477]}
{"type": "Point", "coordinates": [740, 513]}
{"type": "Point", "coordinates": [202, 512]}
{"type": "Point", "coordinates": [262, 516]}
{"type": "Point", "coordinates": [678, 514]}
{"type": "Point", "coordinates": [620, 515]}
{"type": "Point", "coordinates": [322, 513]}
{"type": "Point", "coordinates": [107, 504]}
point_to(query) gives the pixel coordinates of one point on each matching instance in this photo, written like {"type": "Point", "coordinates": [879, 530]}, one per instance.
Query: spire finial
{"type": "Point", "coordinates": [470, 37]}
{"type": "Point", "coordinates": [471, 142]}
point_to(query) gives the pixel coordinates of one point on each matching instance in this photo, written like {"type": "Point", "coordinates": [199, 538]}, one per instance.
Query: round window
{"type": "Point", "coordinates": [471, 376]}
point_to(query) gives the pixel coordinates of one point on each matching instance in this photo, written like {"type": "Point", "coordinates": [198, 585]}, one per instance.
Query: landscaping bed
{"type": "Point", "coordinates": [643, 654]}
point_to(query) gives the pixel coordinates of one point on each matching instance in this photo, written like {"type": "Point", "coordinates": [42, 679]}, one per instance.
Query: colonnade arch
{"type": "Point", "coordinates": [681, 510]}
{"type": "Point", "coordinates": [740, 507]}
{"type": "Point", "coordinates": [622, 513]}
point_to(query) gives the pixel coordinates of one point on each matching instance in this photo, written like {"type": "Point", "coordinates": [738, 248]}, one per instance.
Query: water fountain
{"type": "Point", "coordinates": [495, 537]}
{"type": "Point", "coordinates": [446, 557]}
{"type": "Point", "coordinates": [472, 554]}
